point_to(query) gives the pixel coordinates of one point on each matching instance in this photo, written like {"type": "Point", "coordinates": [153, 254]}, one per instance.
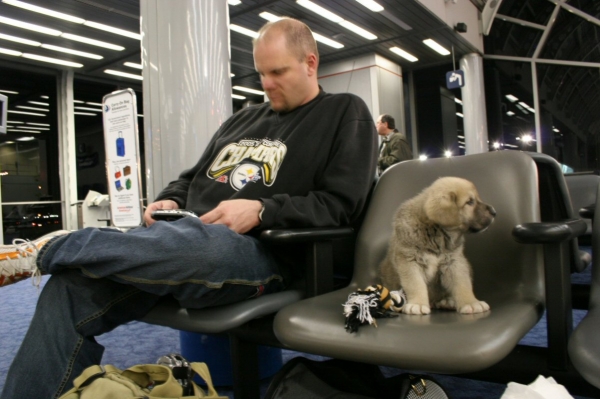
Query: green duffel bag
{"type": "Point", "coordinates": [148, 381]}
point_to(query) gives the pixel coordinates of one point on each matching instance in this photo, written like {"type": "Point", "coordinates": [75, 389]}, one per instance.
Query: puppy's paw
{"type": "Point", "coordinates": [415, 308]}
{"type": "Point", "coordinates": [446, 303]}
{"type": "Point", "coordinates": [475, 307]}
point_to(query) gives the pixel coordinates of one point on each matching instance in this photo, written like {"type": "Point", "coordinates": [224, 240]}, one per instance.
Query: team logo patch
{"type": "Point", "coordinates": [244, 174]}
{"type": "Point", "coordinates": [222, 179]}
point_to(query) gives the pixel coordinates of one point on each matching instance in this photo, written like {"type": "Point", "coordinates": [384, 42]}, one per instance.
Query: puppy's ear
{"type": "Point", "coordinates": [442, 209]}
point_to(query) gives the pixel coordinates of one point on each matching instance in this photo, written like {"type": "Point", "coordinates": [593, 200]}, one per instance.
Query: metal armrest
{"type": "Point", "coordinates": [319, 253]}
{"type": "Point", "coordinates": [556, 237]}
{"type": "Point", "coordinates": [305, 235]}
{"type": "Point", "coordinates": [549, 232]}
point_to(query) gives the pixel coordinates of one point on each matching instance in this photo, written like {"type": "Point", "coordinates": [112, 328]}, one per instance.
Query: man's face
{"type": "Point", "coordinates": [382, 128]}
{"type": "Point", "coordinates": [286, 80]}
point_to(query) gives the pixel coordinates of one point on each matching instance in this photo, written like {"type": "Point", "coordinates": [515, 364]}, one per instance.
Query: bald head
{"type": "Point", "coordinates": [298, 37]}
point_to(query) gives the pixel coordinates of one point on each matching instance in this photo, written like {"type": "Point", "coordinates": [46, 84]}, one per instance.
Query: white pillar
{"type": "Point", "coordinates": [66, 141]}
{"type": "Point", "coordinates": [473, 97]}
{"type": "Point", "coordinates": [187, 84]}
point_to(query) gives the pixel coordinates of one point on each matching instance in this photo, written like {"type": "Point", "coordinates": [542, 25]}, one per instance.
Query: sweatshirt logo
{"type": "Point", "coordinates": [248, 161]}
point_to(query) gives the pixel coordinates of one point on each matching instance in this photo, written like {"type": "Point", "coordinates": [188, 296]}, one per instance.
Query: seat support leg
{"type": "Point", "coordinates": [244, 361]}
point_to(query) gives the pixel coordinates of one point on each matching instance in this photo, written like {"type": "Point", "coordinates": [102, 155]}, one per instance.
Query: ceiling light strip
{"type": "Point", "coordinates": [70, 51]}
{"type": "Point", "coordinates": [123, 74]}
{"type": "Point", "coordinates": [436, 46]}
{"type": "Point", "coordinates": [243, 31]}
{"type": "Point", "coordinates": [248, 90]}
{"type": "Point", "coordinates": [24, 113]}
{"type": "Point", "coordinates": [404, 54]}
{"type": "Point", "coordinates": [28, 26]}
{"type": "Point", "coordinates": [371, 5]}
{"type": "Point", "coordinates": [93, 42]}
{"type": "Point", "coordinates": [71, 18]}
{"type": "Point", "coordinates": [52, 60]}
{"type": "Point", "coordinates": [317, 9]}
{"type": "Point", "coordinates": [45, 11]}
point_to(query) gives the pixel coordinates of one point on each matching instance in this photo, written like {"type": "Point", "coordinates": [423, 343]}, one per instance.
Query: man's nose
{"type": "Point", "coordinates": [267, 83]}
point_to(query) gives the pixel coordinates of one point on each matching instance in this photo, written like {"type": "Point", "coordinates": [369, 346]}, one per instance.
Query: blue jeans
{"type": "Point", "coordinates": [102, 278]}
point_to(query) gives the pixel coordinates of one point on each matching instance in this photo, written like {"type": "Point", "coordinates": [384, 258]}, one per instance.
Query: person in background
{"type": "Point", "coordinates": [394, 148]}
{"type": "Point", "coordinates": [306, 158]}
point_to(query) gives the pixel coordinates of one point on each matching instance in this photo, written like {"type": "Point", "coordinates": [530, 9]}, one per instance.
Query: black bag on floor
{"type": "Point", "coordinates": [302, 378]}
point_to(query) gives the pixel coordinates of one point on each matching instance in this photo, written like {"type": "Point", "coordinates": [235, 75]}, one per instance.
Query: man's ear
{"type": "Point", "coordinates": [442, 209]}
{"type": "Point", "coordinates": [312, 64]}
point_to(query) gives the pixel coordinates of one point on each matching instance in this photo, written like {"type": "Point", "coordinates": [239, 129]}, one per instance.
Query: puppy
{"type": "Point", "coordinates": [425, 254]}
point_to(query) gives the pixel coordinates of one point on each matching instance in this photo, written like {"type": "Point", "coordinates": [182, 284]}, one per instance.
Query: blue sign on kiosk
{"type": "Point", "coordinates": [455, 79]}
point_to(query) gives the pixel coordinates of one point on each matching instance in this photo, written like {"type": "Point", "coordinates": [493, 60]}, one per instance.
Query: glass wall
{"type": "Point", "coordinates": [29, 179]}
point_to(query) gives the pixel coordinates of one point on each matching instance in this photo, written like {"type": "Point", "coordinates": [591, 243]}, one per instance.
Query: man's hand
{"type": "Point", "coordinates": [239, 215]}
{"type": "Point", "coordinates": [164, 204]}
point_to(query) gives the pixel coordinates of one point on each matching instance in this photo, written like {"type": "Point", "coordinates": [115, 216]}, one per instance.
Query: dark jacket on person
{"type": "Point", "coordinates": [395, 149]}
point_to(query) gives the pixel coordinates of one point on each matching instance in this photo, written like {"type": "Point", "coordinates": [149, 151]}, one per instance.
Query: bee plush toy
{"type": "Point", "coordinates": [363, 307]}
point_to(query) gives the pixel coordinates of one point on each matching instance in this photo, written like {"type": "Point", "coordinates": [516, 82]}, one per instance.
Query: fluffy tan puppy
{"type": "Point", "coordinates": [425, 255]}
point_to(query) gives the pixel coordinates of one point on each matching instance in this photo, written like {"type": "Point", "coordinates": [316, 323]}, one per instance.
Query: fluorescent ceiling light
{"type": "Point", "coordinates": [93, 42]}
{"type": "Point", "coordinates": [44, 11]}
{"type": "Point", "coordinates": [358, 30]}
{"type": "Point", "coordinates": [38, 124]}
{"type": "Point", "coordinates": [371, 5]}
{"type": "Point", "coordinates": [436, 46]}
{"type": "Point", "coordinates": [14, 122]}
{"type": "Point", "coordinates": [25, 113]}
{"type": "Point", "coordinates": [140, 116]}
{"type": "Point", "coordinates": [39, 103]}
{"type": "Point", "coordinates": [9, 92]}
{"type": "Point", "coordinates": [25, 138]}
{"type": "Point", "coordinates": [133, 65]}
{"type": "Point", "coordinates": [336, 18]}
{"type": "Point", "coordinates": [269, 17]}
{"type": "Point", "coordinates": [327, 41]}
{"type": "Point", "coordinates": [44, 97]}
{"type": "Point", "coordinates": [459, 114]}
{"type": "Point", "coordinates": [234, 2]}
{"type": "Point", "coordinates": [78, 102]}
{"type": "Point", "coordinates": [231, 75]}
{"type": "Point", "coordinates": [90, 103]}
{"type": "Point", "coordinates": [317, 9]}
{"type": "Point", "coordinates": [238, 97]}
{"type": "Point", "coordinates": [88, 109]}
{"type": "Point", "coordinates": [85, 113]}
{"type": "Point", "coordinates": [10, 52]}
{"type": "Point", "coordinates": [248, 90]}
{"type": "Point", "coordinates": [243, 31]}
{"type": "Point", "coordinates": [555, 130]}
{"type": "Point", "coordinates": [33, 108]}
{"type": "Point", "coordinates": [458, 100]}
{"type": "Point", "coordinates": [74, 52]}
{"type": "Point", "coordinates": [20, 40]}
{"type": "Point", "coordinates": [404, 54]}
{"type": "Point", "coordinates": [114, 30]}
{"type": "Point", "coordinates": [123, 74]}
{"type": "Point", "coordinates": [26, 25]}
{"type": "Point", "coordinates": [23, 131]}
{"type": "Point", "coordinates": [510, 113]}
{"type": "Point", "coordinates": [52, 60]}
{"type": "Point", "coordinates": [511, 98]}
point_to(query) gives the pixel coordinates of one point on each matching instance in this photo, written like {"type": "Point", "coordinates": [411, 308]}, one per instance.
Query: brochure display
{"type": "Point", "coordinates": [119, 113]}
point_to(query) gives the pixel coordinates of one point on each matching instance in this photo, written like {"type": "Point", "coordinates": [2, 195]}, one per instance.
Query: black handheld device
{"type": "Point", "coordinates": [172, 214]}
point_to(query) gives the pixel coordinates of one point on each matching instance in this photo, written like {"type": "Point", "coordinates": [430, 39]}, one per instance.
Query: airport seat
{"type": "Point", "coordinates": [509, 275]}
{"type": "Point", "coordinates": [582, 189]}
{"type": "Point", "coordinates": [557, 204]}
{"type": "Point", "coordinates": [249, 323]}
{"type": "Point", "coordinates": [584, 344]}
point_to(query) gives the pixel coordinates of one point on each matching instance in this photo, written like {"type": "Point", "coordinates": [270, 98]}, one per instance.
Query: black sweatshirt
{"type": "Point", "coordinates": [311, 167]}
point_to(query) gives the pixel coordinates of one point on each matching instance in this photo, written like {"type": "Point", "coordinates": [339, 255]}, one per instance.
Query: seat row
{"type": "Point", "coordinates": [521, 265]}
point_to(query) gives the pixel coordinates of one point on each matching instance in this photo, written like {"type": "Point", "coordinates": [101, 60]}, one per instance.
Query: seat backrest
{"type": "Point", "coordinates": [507, 180]}
{"type": "Point", "coordinates": [582, 190]}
